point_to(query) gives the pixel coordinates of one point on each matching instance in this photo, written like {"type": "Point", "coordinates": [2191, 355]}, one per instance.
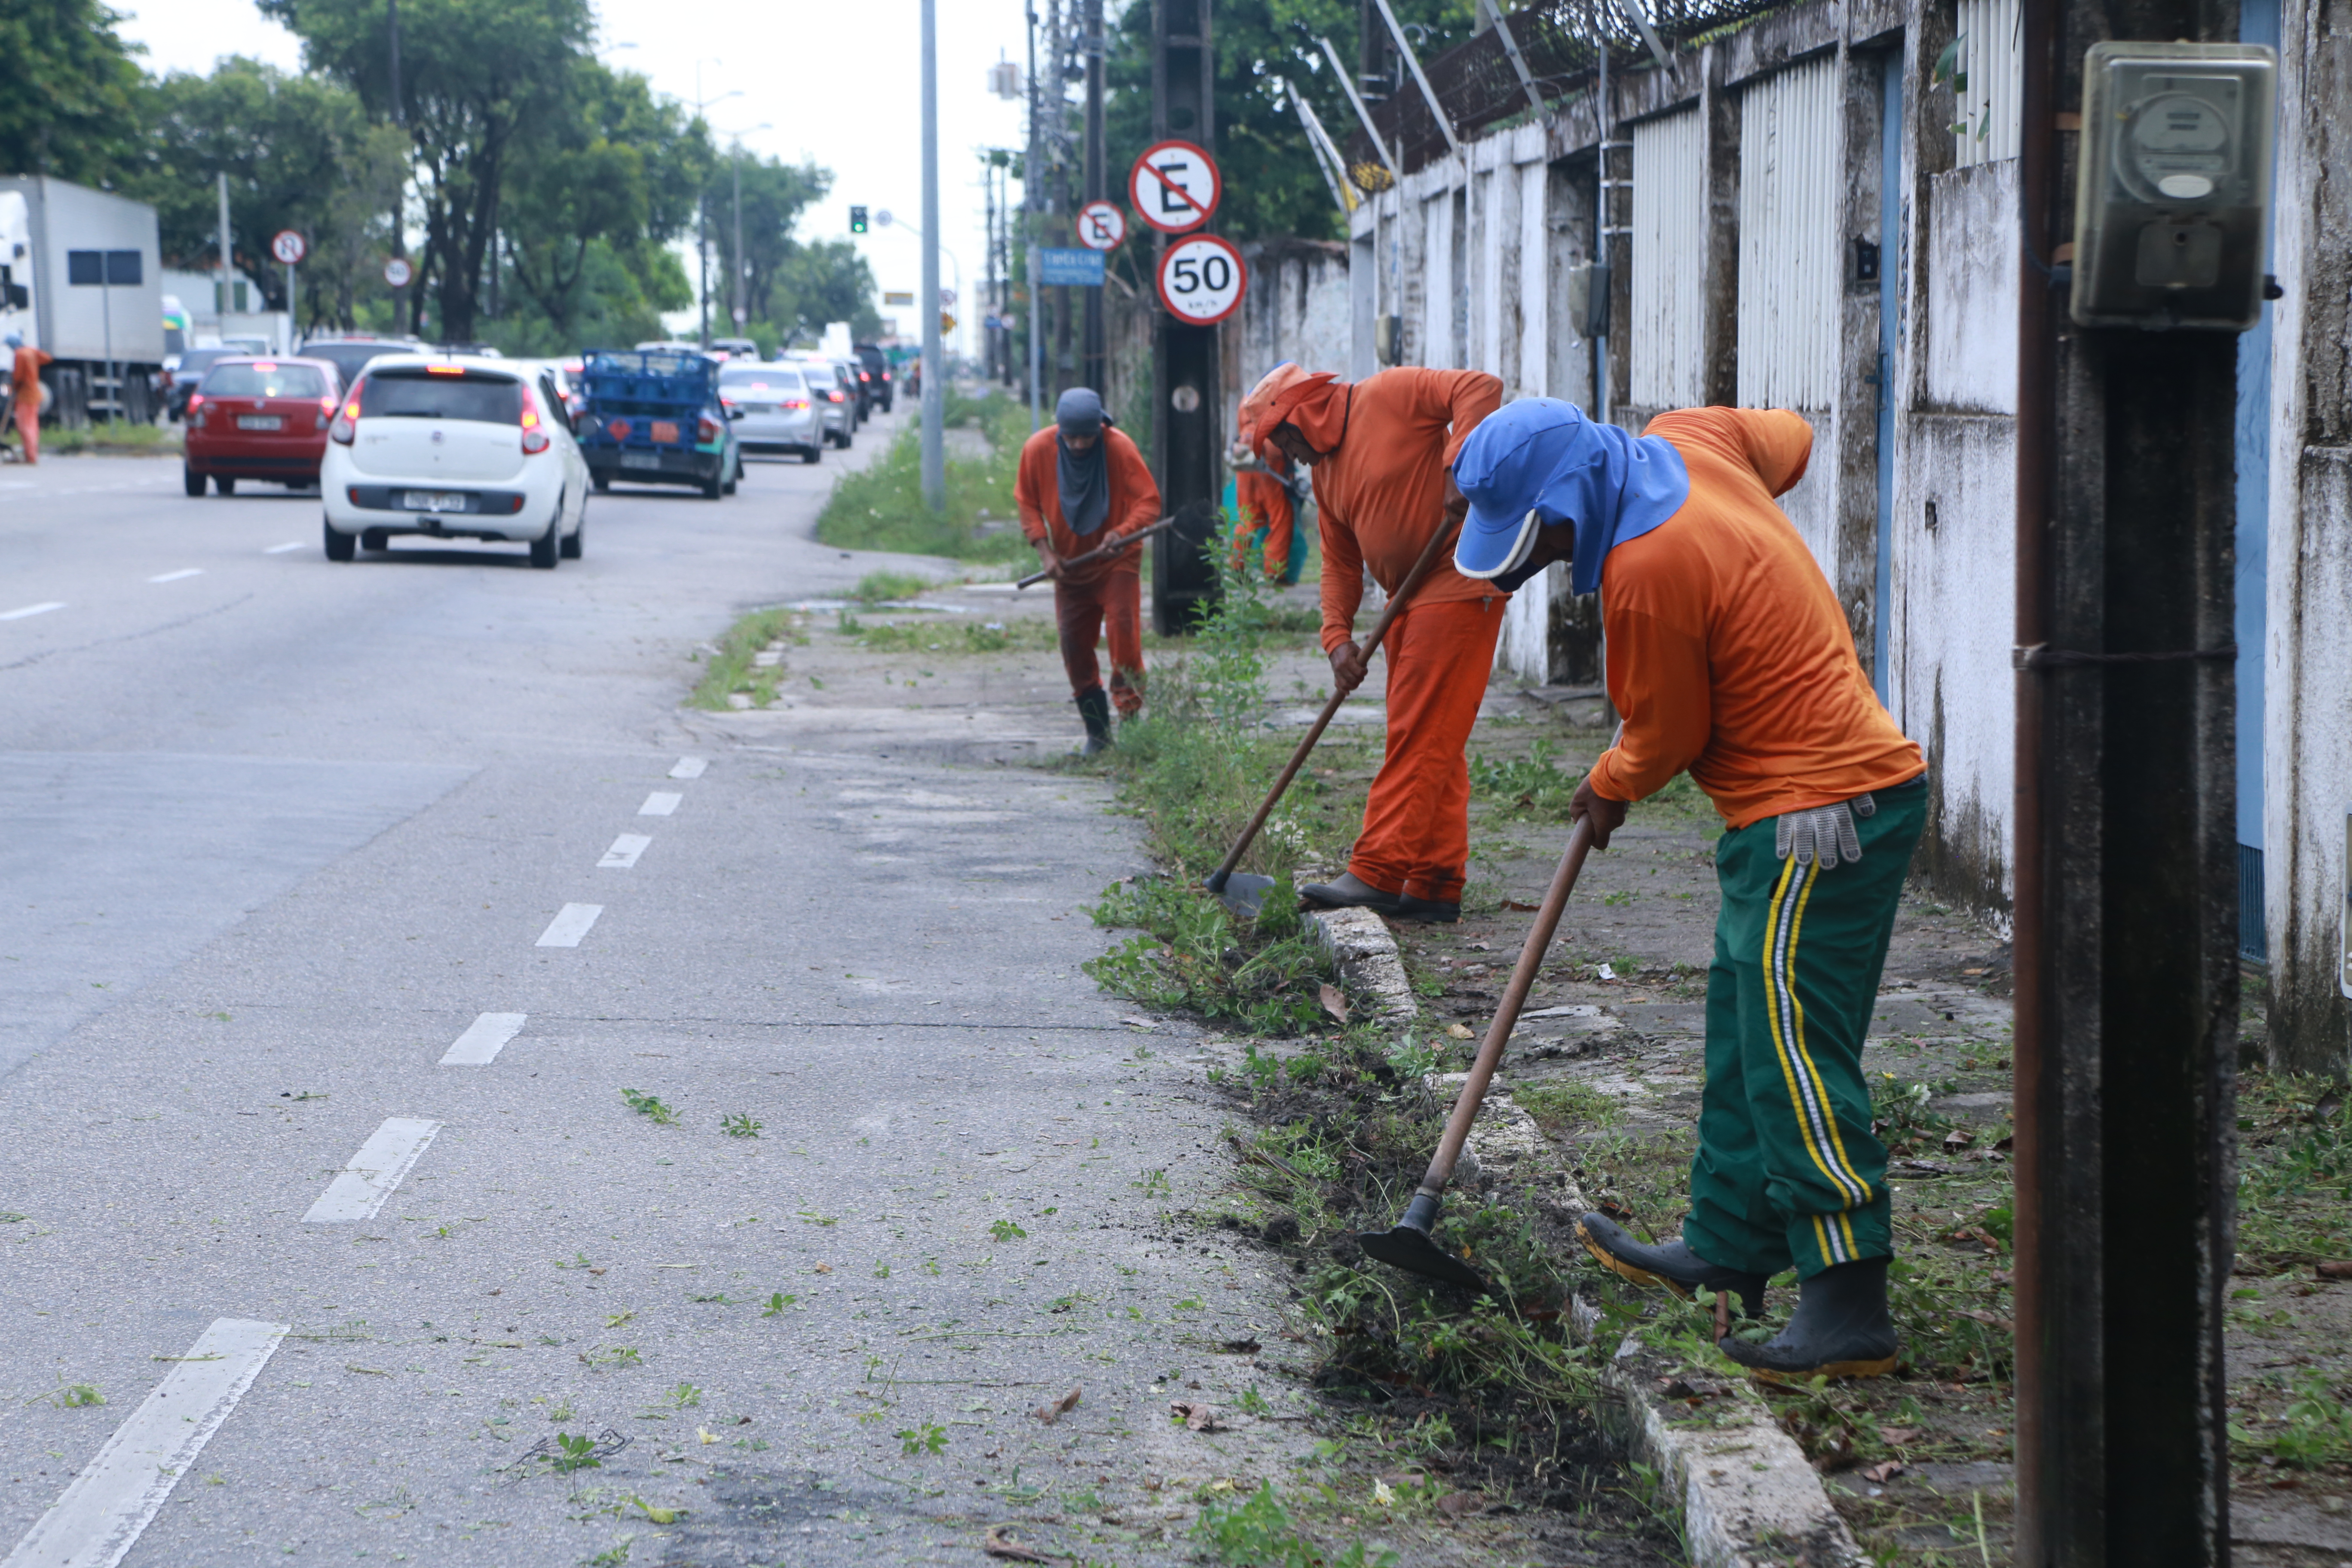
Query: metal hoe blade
{"type": "Point", "coordinates": [1407, 1245]}
{"type": "Point", "coordinates": [1243, 891]}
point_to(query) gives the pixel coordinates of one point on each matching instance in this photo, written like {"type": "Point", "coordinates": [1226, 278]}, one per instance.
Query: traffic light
{"type": "Point", "coordinates": [857, 220]}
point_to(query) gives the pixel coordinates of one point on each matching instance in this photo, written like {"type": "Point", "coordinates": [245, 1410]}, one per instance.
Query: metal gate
{"type": "Point", "coordinates": [1669, 288]}
{"type": "Point", "coordinates": [1789, 264]}
{"type": "Point", "coordinates": [1988, 77]}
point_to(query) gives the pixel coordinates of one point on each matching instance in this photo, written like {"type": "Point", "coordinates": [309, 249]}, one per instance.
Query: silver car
{"type": "Point", "coordinates": [772, 409]}
{"type": "Point", "coordinates": [834, 396]}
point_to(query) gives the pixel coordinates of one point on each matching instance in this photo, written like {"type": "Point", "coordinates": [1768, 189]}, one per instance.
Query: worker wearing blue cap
{"type": "Point", "coordinates": [1729, 658]}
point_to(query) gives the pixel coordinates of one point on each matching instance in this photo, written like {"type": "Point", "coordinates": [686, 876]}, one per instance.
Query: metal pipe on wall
{"type": "Point", "coordinates": [935, 456]}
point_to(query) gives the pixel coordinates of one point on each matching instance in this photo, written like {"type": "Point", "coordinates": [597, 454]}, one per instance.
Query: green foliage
{"type": "Point", "coordinates": [732, 670]}
{"type": "Point", "coordinates": [572, 1454]}
{"type": "Point", "coordinates": [646, 1105]}
{"type": "Point", "coordinates": [1531, 788]}
{"type": "Point", "coordinates": [876, 586]}
{"type": "Point", "coordinates": [68, 91]}
{"type": "Point", "coordinates": [1032, 634]}
{"type": "Point", "coordinates": [1006, 1230]}
{"type": "Point", "coordinates": [740, 1125]}
{"type": "Point", "coordinates": [881, 507]}
{"type": "Point", "coordinates": [2313, 1432]}
{"type": "Point", "coordinates": [1194, 954]}
{"type": "Point", "coordinates": [1565, 1108]}
{"type": "Point", "coordinates": [928, 1438]}
{"type": "Point", "coordinates": [1258, 1532]}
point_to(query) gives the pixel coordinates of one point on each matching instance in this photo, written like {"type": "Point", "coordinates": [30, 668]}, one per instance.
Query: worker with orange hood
{"type": "Point", "coordinates": [1379, 450]}
{"type": "Point", "coordinates": [1265, 510]}
{"type": "Point", "coordinates": [1729, 658]}
{"type": "Point", "coordinates": [1080, 485]}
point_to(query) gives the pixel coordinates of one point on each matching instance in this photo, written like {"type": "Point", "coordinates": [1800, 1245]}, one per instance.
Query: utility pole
{"type": "Point", "coordinates": [1186, 426]}
{"type": "Point", "coordinates": [1096, 373]}
{"type": "Point", "coordinates": [400, 197]}
{"type": "Point", "coordinates": [1032, 183]}
{"type": "Point", "coordinates": [742, 310]}
{"type": "Point", "coordinates": [2126, 972]}
{"type": "Point", "coordinates": [935, 456]}
{"type": "Point", "coordinates": [228, 273]}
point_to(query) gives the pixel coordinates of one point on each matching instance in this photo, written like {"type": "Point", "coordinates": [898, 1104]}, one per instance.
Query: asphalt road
{"type": "Point", "coordinates": [282, 836]}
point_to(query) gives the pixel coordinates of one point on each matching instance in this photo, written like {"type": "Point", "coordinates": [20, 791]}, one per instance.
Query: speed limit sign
{"type": "Point", "coordinates": [289, 246]}
{"type": "Point", "coordinates": [1201, 279]}
{"type": "Point", "coordinates": [1101, 226]}
{"type": "Point", "coordinates": [397, 272]}
{"type": "Point", "coordinates": [1174, 186]}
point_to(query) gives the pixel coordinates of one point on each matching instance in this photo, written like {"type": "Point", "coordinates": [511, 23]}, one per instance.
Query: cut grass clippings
{"type": "Point", "coordinates": [881, 507]}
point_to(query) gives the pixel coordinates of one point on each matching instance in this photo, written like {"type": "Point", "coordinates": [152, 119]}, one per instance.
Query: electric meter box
{"type": "Point", "coordinates": [2173, 192]}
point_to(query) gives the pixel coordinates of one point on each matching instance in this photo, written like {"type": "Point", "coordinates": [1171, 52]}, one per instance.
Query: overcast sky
{"type": "Point", "coordinates": [834, 81]}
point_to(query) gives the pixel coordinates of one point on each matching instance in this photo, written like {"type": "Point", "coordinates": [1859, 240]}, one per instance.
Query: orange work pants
{"type": "Point", "coordinates": [28, 426]}
{"type": "Point", "coordinates": [1416, 836]}
{"type": "Point", "coordinates": [1111, 605]}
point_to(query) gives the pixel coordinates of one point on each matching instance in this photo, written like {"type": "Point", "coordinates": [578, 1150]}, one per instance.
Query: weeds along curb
{"type": "Point", "coordinates": [1359, 942]}
{"type": "Point", "coordinates": [1746, 1496]}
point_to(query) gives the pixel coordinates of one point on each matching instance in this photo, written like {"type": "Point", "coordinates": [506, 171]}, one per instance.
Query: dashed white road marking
{"type": "Point", "coordinates": [479, 1046]}
{"type": "Point", "coordinates": [32, 610]}
{"type": "Point", "coordinates": [570, 924]}
{"type": "Point", "coordinates": [689, 767]}
{"type": "Point", "coordinates": [624, 853]}
{"type": "Point", "coordinates": [359, 1189]}
{"type": "Point", "coordinates": [185, 572]}
{"type": "Point", "coordinates": [282, 548]}
{"type": "Point", "coordinates": [661, 803]}
{"type": "Point", "coordinates": [100, 1515]}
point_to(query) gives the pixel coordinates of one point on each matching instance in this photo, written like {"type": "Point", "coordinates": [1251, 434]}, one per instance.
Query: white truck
{"type": "Point", "coordinates": [81, 276]}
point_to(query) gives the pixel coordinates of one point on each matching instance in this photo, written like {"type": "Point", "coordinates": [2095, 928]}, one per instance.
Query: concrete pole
{"type": "Point", "coordinates": [1033, 318]}
{"type": "Point", "coordinates": [741, 310]}
{"type": "Point", "coordinates": [1097, 374]}
{"type": "Point", "coordinates": [935, 453]}
{"type": "Point", "coordinates": [228, 275]}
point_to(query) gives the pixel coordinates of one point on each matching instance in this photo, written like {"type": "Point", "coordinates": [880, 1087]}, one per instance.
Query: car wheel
{"type": "Point", "coordinates": [811, 454]}
{"type": "Point", "coordinates": [373, 539]}
{"type": "Point", "coordinates": [603, 482]}
{"type": "Point", "coordinates": [734, 477]}
{"type": "Point", "coordinates": [713, 487]}
{"type": "Point", "coordinates": [226, 484]}
{"type": "Point", "coordinates": [191, 481]}
{"type": "Point", "coordinates": [341, 546]}
{"type": "Point", "coordinates": [549, 545]}
{"type": "Point", "coordinates": [573, 540]}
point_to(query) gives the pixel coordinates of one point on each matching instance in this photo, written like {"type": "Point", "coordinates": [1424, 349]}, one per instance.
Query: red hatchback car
{"type": "Point", "coordinates": [255, 418]}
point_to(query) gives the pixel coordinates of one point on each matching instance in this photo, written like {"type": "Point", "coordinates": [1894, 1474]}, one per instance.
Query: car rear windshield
{"type": "Point", "coordinates": [785, 382]}
{"type": "Point", "coordinates": [484, 398]}
{"type": "Point", "coordinates": [351, 358]}
{"type": "Point", "coordinates": [265, 378]}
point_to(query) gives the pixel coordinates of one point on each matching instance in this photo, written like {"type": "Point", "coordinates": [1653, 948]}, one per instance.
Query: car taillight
{"type": "Point", "coordinates": [534, 430]}
{"type": "Point", "coordinates": [862, 377]}
{"type": "Point", "coordinates": [705, 430]}
{"type": "Point", "coordinates": [195, 401]}
{"type": "Point", "coordinates": [836, 396]}
{"type": "Point", "coordinates": [346, 427]}
{"type": "Point", "coordinates": [795, 403]}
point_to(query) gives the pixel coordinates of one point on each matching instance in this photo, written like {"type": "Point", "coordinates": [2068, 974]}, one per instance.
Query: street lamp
{"type": "Point", "coordinates": [742, 268]}
{"type": "Point", "coordinates": [702, 206]}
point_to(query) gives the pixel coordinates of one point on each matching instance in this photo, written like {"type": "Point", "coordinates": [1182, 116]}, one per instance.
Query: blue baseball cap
{"type": "Point", "coordinates": [1539, 463]}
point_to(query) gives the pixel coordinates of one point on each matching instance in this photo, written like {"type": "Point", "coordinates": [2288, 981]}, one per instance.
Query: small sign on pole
{"type": "Point", "coordinates": [1174, 186]}
{"type": "Point", "coordinates": [1101, 226]}
{"type": "Point", "coordinates": [289, 246]}
{"type": "Point", "coordinates": [1069, 266]}
{"type": "Point", "coordinates": [397, 272]}
{"type": "Point", "coordinates": [1201, 279]}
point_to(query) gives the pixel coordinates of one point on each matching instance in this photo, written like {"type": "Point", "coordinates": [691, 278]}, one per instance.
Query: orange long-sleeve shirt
{"type": "Point", "coordinates": [1134, 501]}
{"type": "Point", "coordinates": [1727, 653]}
{"type": "Point", "coordinates": [1380, 492]}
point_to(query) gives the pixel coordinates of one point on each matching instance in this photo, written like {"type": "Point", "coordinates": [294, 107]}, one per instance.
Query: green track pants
{"type": "Point", "coordinates": [1787, 1173]}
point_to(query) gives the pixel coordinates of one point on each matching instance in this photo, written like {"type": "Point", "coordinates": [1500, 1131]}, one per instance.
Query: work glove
{"type": "Point", "coordinates": [1822, 833]}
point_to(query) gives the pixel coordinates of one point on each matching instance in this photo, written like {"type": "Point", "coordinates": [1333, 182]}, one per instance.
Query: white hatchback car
{"type": "Point", "coordinates": [453, 447]}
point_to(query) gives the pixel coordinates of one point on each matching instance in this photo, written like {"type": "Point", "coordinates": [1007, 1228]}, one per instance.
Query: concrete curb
{"type": "Point", "coordinates": [1749, 1498]}
{"type": "Point", "coordinates": [1360, 943]}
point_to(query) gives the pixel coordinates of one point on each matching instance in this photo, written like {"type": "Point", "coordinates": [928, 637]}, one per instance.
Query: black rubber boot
{"type": "Point", "coordinates": [1672, 1266]}
{"type": "Point", "coordinates": [1841, 1329]}
{"type": "Point", "coordinates": [1439, 910]}
{"type": "Point", "coordinates": [1344, 892]}
{"type": "Point", "coordinates": [1094, 707]}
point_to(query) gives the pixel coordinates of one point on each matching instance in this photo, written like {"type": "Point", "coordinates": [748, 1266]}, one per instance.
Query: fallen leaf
{"type": "Point", "coordinates": [370, 1370]}
{"type": "Point", "coordinates": [495, 1292]}
{"type": "Point", "coordinates": [1958, 1139]}
{"type": "Point", "coordinates": [1196, 1415]}
{"type": "Point", "coordinates": [1523, 908]}
{"type": "Point", "coordinates": [2337, 1270]}
{"type": "Point", "coordinates": [1054, 1409]}
{"type": "Point", "coordinates": [706, 1434]}
{"type": "Point", "coordinates": [1458, 1505]}
{"type": "Point", "coordinates": [1334, 1001]}
{"type": "Point", "coordinates": [595, 1271]}
{"type": "Point", "coordinates": [824, 1268]}
{"type": "Point", "coordinates": [1241, 1347]}
{"type": "Point", "coordinates": [1459, 1031]}
{"type": "Point", "coordinates": [996, 1544]}
{"type": "Point", "coordinates": [1881, 1473]}
{"type": "Point", "coordinates": [1899, 1435]}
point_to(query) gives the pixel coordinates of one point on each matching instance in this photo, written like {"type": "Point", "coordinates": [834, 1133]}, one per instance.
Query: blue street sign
{"type": "Point", "coordinates": [1082, 269]}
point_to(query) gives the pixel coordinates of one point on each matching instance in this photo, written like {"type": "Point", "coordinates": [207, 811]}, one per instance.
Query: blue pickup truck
{"type": "Point", "coordinates": [654, 417]}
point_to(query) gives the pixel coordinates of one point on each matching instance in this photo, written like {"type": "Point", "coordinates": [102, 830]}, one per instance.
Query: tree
{"type": "Point", "coordinates": [68, 92]}
{"type": "Point", "coordinates": [474, 74]}
{"type": "Point", "coordinates": [775, 193]}
{"type": "Point", "coordinates": [826, 281]}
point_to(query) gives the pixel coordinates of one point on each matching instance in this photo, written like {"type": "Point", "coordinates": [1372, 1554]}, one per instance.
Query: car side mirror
{"type": "Point", "coordinates": [735, 414]}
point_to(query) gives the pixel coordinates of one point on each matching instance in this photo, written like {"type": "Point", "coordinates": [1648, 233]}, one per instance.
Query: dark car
{"type": "Point", "coordinates": [877, 375]}
{"type": "Point", "coordinates": [255, 418]}
{"type": "Point", "coordinates": [183, 374]}
{"type": "Point", "coordinates": [350, 355]}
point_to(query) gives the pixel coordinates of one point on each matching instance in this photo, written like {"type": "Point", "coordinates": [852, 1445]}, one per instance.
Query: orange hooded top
{"type": "Point", "coordinates": [1727, 653]}
{"type": "Point", "coordinates": [1134, 501]}
{"type": "Point", "coordinates": [1379, 490]}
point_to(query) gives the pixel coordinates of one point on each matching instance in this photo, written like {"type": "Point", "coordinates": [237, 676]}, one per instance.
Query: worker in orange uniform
{"type": "Point", "coordinates": [25, 388]}
{"type": "Point", "coordinates": [1082, 483]}
{"type": "Point", "coordinates": [1379, 449]}
{"type": "Point", "coordinates": [1729, 657]}
{"type": "Point", "coordinates": [1266, 509]}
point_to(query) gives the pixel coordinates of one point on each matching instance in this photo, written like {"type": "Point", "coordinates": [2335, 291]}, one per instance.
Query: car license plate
{"type": "Point", "coordinates": [665, 432]}
{"type": "Point", "coordinates": [641, 459]}
{"type": "Point", "coordinates": [260, 422]}
{"type": "Point", "coordinates": [433, 500]}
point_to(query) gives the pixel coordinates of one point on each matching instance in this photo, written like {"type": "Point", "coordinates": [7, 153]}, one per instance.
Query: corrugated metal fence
{"type": "Point", "coordinates": [1669, 292]}
{"type": "Point", "coordinates": [1788, 260]}
{"type": "Point", "coordinates": [1988, 77]}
